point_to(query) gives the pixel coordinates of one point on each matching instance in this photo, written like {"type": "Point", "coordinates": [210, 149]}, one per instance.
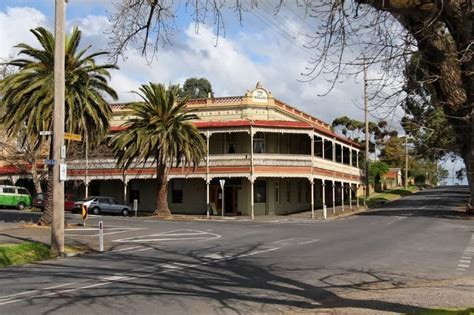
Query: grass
{"type": "Point", "coordinates": [468, 311]}
{"type": "Point", "coordinates": [378, 199]}
{"type": "Point", "coordinates": [23, 253]}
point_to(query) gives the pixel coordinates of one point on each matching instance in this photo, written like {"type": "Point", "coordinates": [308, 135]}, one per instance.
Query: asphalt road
{"type": "Point", "coordinates": [273, 266]}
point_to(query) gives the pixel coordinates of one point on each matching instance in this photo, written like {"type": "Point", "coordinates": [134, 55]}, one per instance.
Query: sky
{"type": "Point", "coordinates": [266, 48]}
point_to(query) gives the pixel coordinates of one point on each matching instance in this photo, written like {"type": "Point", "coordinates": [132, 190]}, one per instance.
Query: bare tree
{"type": "Point", "coordinates": [347, 34]}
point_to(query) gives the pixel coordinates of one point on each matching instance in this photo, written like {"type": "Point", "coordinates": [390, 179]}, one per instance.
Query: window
{"type": "Point", "coordinates": [300, 188]}
{"type": "Point", "coordinates": [259, 143]}
{"type": "Point", "coordinates": [23, 191]}
{"type": "Point", "coordinates": [177, 191]}
{"type": "Point", "coordinates": [8, 190]}
{"type": "Point", "coordinates": [288, 191]}
{"type": "Point", "coordinates": [230, 143]}
{"type": "Point", "coordinates": [260, 189]}
{"type": "Point", "coordinates": [277, 192]}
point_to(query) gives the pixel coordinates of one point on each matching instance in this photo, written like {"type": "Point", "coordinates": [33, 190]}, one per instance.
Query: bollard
{"type": "Point", "coordinates": [101, 236]}
{"type": "Point", "coordinates": [135, 206]}
{"type": "Point", "coordinates": [325, 212]}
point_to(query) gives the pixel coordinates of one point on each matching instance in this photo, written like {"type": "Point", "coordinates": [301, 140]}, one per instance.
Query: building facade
{"type": "Point", "coordinates": [274, 158]}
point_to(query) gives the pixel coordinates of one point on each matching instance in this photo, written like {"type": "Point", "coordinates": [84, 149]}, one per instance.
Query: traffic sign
{"type": "Point", "coordinates": [72, 137]}
{"type": "Point", "coordinates": [50, 162]}
{"type": "Point", "coordinates": [46, 133]}
{"type": "Point", "coordinates": [84, 212]}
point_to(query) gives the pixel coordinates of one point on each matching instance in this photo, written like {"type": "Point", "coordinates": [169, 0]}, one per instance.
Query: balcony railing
{"type": "Point", "coordinates": [238, 159]}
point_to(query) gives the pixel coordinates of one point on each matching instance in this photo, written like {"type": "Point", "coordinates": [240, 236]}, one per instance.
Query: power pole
{"type": "Point", "coordinates": [366, 114]}
{"type": "Point", "coordinates": [57, 227]}
{"type": "Point", "coordinates": [406, 153]}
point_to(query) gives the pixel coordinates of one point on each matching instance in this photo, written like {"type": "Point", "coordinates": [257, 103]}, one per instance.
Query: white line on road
{"type": "Point", "coordinates": [465, 261]}
{"type": "Point", "coordinates": [285, 240]}
{"type": "Point", "coordinates": [129, 276]}
{"type": "Point", "coordinates": [308, 242]}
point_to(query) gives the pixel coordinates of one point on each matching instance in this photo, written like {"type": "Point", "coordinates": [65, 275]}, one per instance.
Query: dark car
{"type": "Point", "coordinates": [100, 204]}
{"type": "Point", "coordinates": [38, 202]}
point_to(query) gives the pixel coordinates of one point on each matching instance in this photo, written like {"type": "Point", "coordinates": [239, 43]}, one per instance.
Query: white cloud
{"type": "Point", "coordinates": [15, 25]}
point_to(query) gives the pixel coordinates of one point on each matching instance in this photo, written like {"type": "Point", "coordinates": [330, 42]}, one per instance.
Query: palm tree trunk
{"type": "Point", "coordinates": [47, 217]}
{"type": "Point", "coordinates": [162, 209]}
{"type": "Point", "coordinates": [36, 179]}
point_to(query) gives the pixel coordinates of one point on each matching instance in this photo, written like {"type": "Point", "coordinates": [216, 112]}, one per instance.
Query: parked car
{"type": "Point", "coordinates": [100, 204]}
{"type": "Point", "coordinates": [14, 196]}
{"type": "Point", "coordinates": [38, 201]}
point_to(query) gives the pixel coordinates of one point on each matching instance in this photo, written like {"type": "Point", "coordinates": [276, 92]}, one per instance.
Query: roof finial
{"type": "Point", "coordinates": [259, 85]}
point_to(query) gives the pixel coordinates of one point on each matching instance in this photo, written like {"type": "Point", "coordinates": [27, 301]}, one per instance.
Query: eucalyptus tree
{"type": "Point", "coordinates": [28, 94]}
{"type": "Point", "coordinates": [159, 130]}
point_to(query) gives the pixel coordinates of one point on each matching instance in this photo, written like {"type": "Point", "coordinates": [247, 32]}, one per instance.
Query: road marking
{"type": "Point", "coordinates": [170, 236]}
{"type": "Point", "coordinates": [398, 219]}
{"type": "Point", "coordinates": [466, 257]}
{"type": "Point", "coordinates": [285, 240]}
{"type": "Point", "coordinates": [122, 230]}
{"type": "Point", "coordinates": [129, 276]}
{"type": "Point", "coordinates": [124, 249]}
{"type": "Point", "coordinates": [308, 242]}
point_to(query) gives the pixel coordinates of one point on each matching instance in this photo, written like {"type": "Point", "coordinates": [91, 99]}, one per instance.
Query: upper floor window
{"type": "Point", "coordinates": [259, 142]}
{"type": "Point", "coordinates": [230, 143]}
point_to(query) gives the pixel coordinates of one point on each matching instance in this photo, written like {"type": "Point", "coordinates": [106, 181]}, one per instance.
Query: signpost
{"type": "Point", "coordinates": [72, 137]}
{"type": "Point", "coordinates": [84, 214]}
{"type": "Point", "coordinates": [222, 182]}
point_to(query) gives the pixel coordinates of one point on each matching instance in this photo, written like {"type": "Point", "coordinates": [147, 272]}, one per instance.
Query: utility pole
{"type": "Point", "coordinates": [57, 227]}
{"type": "Point", "coordinates": [366, 114]}
{"type": "Point", "coordinates": [406, 152]}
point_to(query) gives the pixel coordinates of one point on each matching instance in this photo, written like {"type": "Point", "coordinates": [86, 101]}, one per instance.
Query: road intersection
{"type": "Point", "coordinates": [412, 254]}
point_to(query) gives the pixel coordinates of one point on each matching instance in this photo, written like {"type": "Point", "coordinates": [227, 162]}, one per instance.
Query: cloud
{"type": "Point", "coordinates": [15, 25]}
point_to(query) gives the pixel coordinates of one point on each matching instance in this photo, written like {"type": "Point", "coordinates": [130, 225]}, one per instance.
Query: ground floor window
{"type": "Point", "coordinates": [260, 195]}
{"type": "Point", "coordinates": [177, 191]}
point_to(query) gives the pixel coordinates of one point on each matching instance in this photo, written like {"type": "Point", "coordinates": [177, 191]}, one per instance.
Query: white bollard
{"type": "Point", "coordinates": [325, 212]}
{"type": "Point", "coordinates": [101, 236]}
{"type": "Point", "coordinates": [135, 206]}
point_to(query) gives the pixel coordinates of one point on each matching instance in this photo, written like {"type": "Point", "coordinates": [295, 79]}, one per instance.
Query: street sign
{"type": "Point", "coordinates": [62, 172]}
{"type": "Point", "coordinates": [50, 162]}
{"type": "Point", "coordinates": [84, 212]}
{"type": "Point", "coordinates": [46, 133]}
{"type": "Point", "coordinates": [72, 137]}
{"type": "Point", "coordinates": [222, 182]}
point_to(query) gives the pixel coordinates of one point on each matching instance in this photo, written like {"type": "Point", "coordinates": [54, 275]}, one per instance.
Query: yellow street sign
{"type": "Point", "coordinates": [84, 212]}
{"type": "Point", "coordinates": [72, 137]}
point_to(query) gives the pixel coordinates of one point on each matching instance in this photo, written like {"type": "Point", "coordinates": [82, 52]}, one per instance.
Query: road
{"type": "Point", "coordinates": [403, 257]}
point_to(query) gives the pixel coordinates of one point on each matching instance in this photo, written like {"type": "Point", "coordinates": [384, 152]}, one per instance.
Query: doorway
{"type": "Point", "coordinates": [231, 196]}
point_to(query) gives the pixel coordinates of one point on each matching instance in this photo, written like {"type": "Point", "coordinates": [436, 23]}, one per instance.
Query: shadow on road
{"type": "Point", "coordinates": [237, 285]}
{"type": "Point", "coordinates": [442, 202]}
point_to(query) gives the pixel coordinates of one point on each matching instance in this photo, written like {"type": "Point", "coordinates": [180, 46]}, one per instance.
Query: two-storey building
{"type": "Point", "coordinates": [274, 158]}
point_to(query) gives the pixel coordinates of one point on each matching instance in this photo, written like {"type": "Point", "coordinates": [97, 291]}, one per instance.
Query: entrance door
{"type": "Point", "coordinates": [230, 199]}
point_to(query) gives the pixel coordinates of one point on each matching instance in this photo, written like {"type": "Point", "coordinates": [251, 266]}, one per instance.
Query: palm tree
{"type": "Point", "coordinates": [28, 95]}
{"type": "Point", "coordinates": [160, 130]}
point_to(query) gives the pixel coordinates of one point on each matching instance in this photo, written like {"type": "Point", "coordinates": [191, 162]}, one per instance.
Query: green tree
{"type": "Point", "coordinates": [196, 88]}
{"type": "Point", "coordinates": [377, 170]}
{"type": "Point", "coordinates": [393, 152]}
{"type": "Point", "coordinates": [160, 130]}
{"type": "Point", "coordinates": [28, 94]}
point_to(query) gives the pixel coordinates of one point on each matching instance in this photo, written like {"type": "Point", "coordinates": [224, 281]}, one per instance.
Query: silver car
{"type": "Point", "coordinates": [98, 205]}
